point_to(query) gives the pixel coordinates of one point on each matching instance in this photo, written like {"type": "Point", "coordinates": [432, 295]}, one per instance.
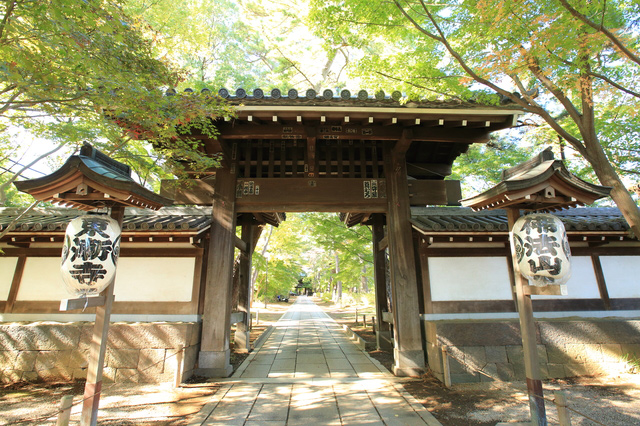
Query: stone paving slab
{"type": "Point", "coordinates": [272, 405]}
{"type": "Point", "coordinates": [306, 372]}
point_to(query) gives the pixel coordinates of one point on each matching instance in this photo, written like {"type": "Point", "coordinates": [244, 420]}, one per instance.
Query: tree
{"type": "Point", "coordinates": [573, 64]}
{"type": "Point", "coordinates": [278, 259]}
{"type": "Point", "coordinates": [249, 44]}
{"type": "Point", "coordinates": [209, 39]}
{"type": "Point", "coordinates": [348, 250]}
{"type": "Point", "coordinates": [84, 70]}
{"type": "Point", "coordinates": [316, 247]}
{"type": "Point", "coordinates": [481, 166]}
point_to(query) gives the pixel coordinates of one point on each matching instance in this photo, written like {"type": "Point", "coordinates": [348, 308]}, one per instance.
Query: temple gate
{"type": "Point", "coordinates": [369, 159]}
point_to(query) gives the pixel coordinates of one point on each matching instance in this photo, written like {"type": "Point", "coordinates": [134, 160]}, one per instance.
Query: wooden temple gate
{"type": "Point", "coordinates": [370, 160]}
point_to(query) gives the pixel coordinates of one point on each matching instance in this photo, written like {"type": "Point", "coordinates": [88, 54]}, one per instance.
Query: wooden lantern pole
{"type": "Point", "coordinates": [541, 183]}
{"type": "Point", "coordinates": [528, 333]}
{"type": "Point", "coordinates": [93, 169]}
{"type": "Point", "coordinates": [97, 351]}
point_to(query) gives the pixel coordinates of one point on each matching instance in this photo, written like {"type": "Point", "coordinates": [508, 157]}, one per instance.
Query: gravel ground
{"type": "Point", "coordinates": [121, 404]}
{"type": "Point", "coordinates": [610, 401]}
{"type": "Point", "coordinates": [613, 401]}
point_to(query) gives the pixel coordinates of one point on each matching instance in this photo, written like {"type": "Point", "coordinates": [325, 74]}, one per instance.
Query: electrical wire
{"type": "Point", "coordinates": [28, 168]}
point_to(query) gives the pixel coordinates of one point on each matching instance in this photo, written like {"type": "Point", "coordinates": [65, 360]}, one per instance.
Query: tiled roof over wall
{"type": "Point", "coordinates": [427, 219]}
{"type": "Point", "coordinates": [453, 219]}
{"type": "Point", "coordinates": [167, 219]}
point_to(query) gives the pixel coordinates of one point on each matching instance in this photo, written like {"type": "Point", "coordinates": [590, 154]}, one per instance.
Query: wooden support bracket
{"type": "Point", "coordinates": [403, 144]}
{"type": "Point", "coordinates": [240, 244]}
{"type": "Point", "coordinates": [387, 317]}
{"type": "Point", "coordinates": [237, 317]}
{"type": "Point", "coordinates": [547, 290]}
{"type": "Point", "coordinates": [81, 303]}
{"type": "Point", "coordinates": [383, 244]}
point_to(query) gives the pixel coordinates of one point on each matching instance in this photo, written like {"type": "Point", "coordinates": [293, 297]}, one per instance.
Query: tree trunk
{"type": "Point", "coordinates": [365, 284]}
{"type": "Point", "coordinates": [338, 282]}
{"type": "Point", "coordinates": [332, 289]}
{"type": "Point", "coordinates": [608, 177]}
{"type": "Point", "coordinates": [254, 275]}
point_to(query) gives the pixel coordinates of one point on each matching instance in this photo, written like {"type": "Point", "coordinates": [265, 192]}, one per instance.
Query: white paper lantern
{"type": "Point", "coordinates": [542, 249]}
{"type": "Point", "coordinates": [90, 254]}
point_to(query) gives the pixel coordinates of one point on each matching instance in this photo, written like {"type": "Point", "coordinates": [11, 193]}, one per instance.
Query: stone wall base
{"type": "Point", "coordinates": [136, 352]}
{"type": "Point", "coordinates": [481, 351]}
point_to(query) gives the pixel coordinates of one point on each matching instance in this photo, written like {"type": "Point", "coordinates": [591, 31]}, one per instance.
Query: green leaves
{"type": "Point", "coordinates": [85, 70]}
{"type": "Point", "coordinates": [481, 166]}
{"type": "Point", "coordinates": [574, 64]}
{"type": "Point", "coordinates": [306, 245]}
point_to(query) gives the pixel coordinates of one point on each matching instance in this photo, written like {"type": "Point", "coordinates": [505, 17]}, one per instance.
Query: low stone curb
{"type": "Point", "coordinates": [256, 345]}
{"type": "Point", "coordinates": [261, 339]}
{"type": "Point", "coordinates": [359, 341]}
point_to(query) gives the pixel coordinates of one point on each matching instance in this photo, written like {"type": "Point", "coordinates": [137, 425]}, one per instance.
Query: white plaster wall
{"type": "Point", "coordinates": [41, 280]}
{"type": "Point", "coordinates": [582, 284]}
{"type": "Point", "coordinates": [137, 279]}
{"type": "Point", "coordinates": [7, 268]}
{"type": "Point", "coordinates": [469, 278]}
{"type": "Point", "coordinates": [168, 279]}
{"type": "Point", "coordinates": [622, 275]}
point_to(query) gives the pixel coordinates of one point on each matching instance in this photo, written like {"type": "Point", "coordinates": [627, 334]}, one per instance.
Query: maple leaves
{"type": "Point", "coordinates": [563, 61]}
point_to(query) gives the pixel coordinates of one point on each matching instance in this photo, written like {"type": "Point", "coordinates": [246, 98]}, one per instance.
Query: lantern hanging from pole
{"type": "Point", "coordinates": [542, 249]}
{"type": "Point", "coordinates": [90, 254]}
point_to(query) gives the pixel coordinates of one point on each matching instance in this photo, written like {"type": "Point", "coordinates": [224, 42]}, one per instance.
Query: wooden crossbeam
{"type": "Point", "coordinates": [350, 131]}
{"type": "Point", "coordinates": [304, 194]}
{"type": "Point", "coordinates": [324, 194]}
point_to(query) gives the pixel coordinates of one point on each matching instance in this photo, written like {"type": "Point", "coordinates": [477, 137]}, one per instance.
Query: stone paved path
{"type": "Point", "coordinates": [309, 373]}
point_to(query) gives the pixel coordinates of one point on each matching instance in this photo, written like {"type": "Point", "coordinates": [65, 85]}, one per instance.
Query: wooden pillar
{"type": "Point", "coordinates": [408, 352]}
{"type": "Point", "coordinates": [98, 348]}
{"type": "Point", "coordinates": [197, 283]}
{"type": "Point", "coordinates": [242, 342]}
{"type": "Point", "coordinates": [15, 284]}
{"type": "Point", "coordinates": [383, 330]}
{"type": "Point", "coordinates": [425, 278]}
{"type": "Point", "coordinates": [528, 333]}
{"type": "Point", "coordinates": [436, 354]}
{"type": "Point", "coordinates": [512, 269]}
{"type": "Point", "coordinates": [214, 357]}
{"type": "Point", "coordinates": [602, 284]}
{"type": "Point", "coordinates": [203, 273]}
{"type": "Point", "coordinates": [417, 248]}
